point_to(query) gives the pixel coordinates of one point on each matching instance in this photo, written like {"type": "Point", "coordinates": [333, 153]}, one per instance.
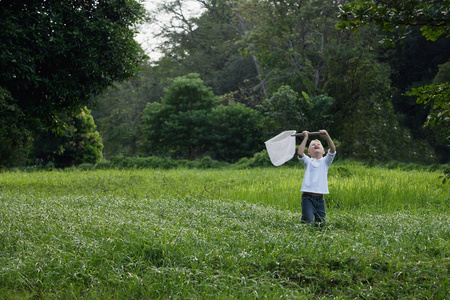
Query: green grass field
{"type": "Point", "coordinates": [222, 234]}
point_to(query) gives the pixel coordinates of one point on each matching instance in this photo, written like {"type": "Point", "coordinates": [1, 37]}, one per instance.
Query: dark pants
{"type": "Point", "coordinates": [313, 207]}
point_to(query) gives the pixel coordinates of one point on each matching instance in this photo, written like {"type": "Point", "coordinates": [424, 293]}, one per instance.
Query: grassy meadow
{"type": "Point", "coordinates": [222, 234]}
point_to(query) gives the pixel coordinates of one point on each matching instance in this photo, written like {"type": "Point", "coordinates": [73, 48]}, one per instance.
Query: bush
{"type": "Point", "coordinates": [78, 143]}
{"type": "Point", "coordinates": [260, 159]}
{"type": "Point", "coordinates": [102, 165]}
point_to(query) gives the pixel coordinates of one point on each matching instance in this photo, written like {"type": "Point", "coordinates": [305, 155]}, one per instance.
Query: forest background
{"type": "Point", "coordinates": [241, 72]}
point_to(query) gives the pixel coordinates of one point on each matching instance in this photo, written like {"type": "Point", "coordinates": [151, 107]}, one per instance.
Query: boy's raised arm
{"type": "Point", "coordinates": [301, 148]}
{"type": "Point", "coordinates": [325, 134]}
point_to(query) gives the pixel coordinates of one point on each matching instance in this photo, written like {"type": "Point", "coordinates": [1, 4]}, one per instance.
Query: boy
{"type": "Point", "coordinates": [315, 183]}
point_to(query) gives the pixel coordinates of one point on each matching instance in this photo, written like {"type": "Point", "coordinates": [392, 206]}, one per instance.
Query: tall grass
{"type": "Point", "coordinates": [351, 186]}
{"type": "Point", "coordinates": [149, 234]}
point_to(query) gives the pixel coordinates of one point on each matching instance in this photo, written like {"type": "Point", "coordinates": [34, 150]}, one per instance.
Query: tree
{"type": "Point", "coordinates": [298, 46]}
{"type": "Point", "coordinates": [179, 126]}
{"type": "Point", "coordinates": [118, 113]}
{"type": "Point", "coordinates": [289, 40]}
{"type": "Point", "coordinates": [438, 96]}
{"type": "Point", "coordinates": [80, 142]}
{"type": "Point", "coordinates": [206, 45]}
{"type": "Point", "coordinates": [414, 63]}
{"type": "Point", "coordinates": [285, 110]}
{"type": "Point", "coordinates": [191, 123]}
{"type": "Point", "coordinates": [56, 55]}
{"type": "Point", "coordinates": [364, 119]}
{"type": "Point", "coordinates": [14, 136]}
{"type": "Point", "coordinates": [236, 132]}
{"type": "Point", "coordinates": [401, 18]}
{"type": "Point", "coordinates": [432, 17]}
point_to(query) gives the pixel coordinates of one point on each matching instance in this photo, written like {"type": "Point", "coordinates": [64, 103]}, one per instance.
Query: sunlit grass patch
{"type": "Point", "coordinates": [222, 234]}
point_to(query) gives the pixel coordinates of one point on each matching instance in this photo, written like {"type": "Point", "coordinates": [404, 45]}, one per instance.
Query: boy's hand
{"type": "Point", "coordinates": [323, 132]}
{"type": "Point", "coordinates": [301, 148]}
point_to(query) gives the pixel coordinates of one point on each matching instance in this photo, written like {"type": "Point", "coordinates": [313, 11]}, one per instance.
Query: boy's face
{"type": "Point", "coordinates": [316, 149]}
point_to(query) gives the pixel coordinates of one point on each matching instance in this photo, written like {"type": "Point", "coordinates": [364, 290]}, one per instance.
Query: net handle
{"type": "Point", "coordinates": [309, 133]}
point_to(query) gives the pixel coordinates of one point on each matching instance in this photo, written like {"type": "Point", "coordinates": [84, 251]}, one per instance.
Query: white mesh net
{"type": "Point", "coordinates": [281, 148]}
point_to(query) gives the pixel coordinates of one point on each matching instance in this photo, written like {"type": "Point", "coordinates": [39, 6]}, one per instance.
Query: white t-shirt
{"type": "Point", "coordinates": [316, 171]}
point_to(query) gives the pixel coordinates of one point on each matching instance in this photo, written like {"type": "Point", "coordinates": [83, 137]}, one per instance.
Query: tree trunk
{"type": "Point", "coordinates": [244, 32]}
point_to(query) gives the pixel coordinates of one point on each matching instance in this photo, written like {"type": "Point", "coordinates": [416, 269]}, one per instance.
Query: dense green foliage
{"type": "Point", "coordinates": [236, 132]}
{"type": "Point", "coordinates": [431, 16]}
{"type": "Point", "coordinates": [403, 20]}
{"type": "Point", "coordinates": [179, 125]}
{"type": "Point", "coordinates": [55, 56]}
{"type": "Point", "coordinates": [208, 45]}
{"type": "Point", "coordinates": [118, 112]}
{"type": "Point", "coordinates": [269, 65]}
{"type": "Point", "coordinates": [148, 234]}
{"type": "Point", "coordinates": [13, 133]}
{"type": "Point", "coordinates": [79, 143]}
{"type": "Point", "coordinates": [438, 95]}
{"type": "Point", "coordinates": [189, 122]}
{"type": "Point", "coordinates": [287, 61]}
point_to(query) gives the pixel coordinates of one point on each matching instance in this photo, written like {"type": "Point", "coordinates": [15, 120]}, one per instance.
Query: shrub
{"type": "Point", "coordinates": [103, 165]}
{"type": "Point", "coordinates": [260, 159]}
